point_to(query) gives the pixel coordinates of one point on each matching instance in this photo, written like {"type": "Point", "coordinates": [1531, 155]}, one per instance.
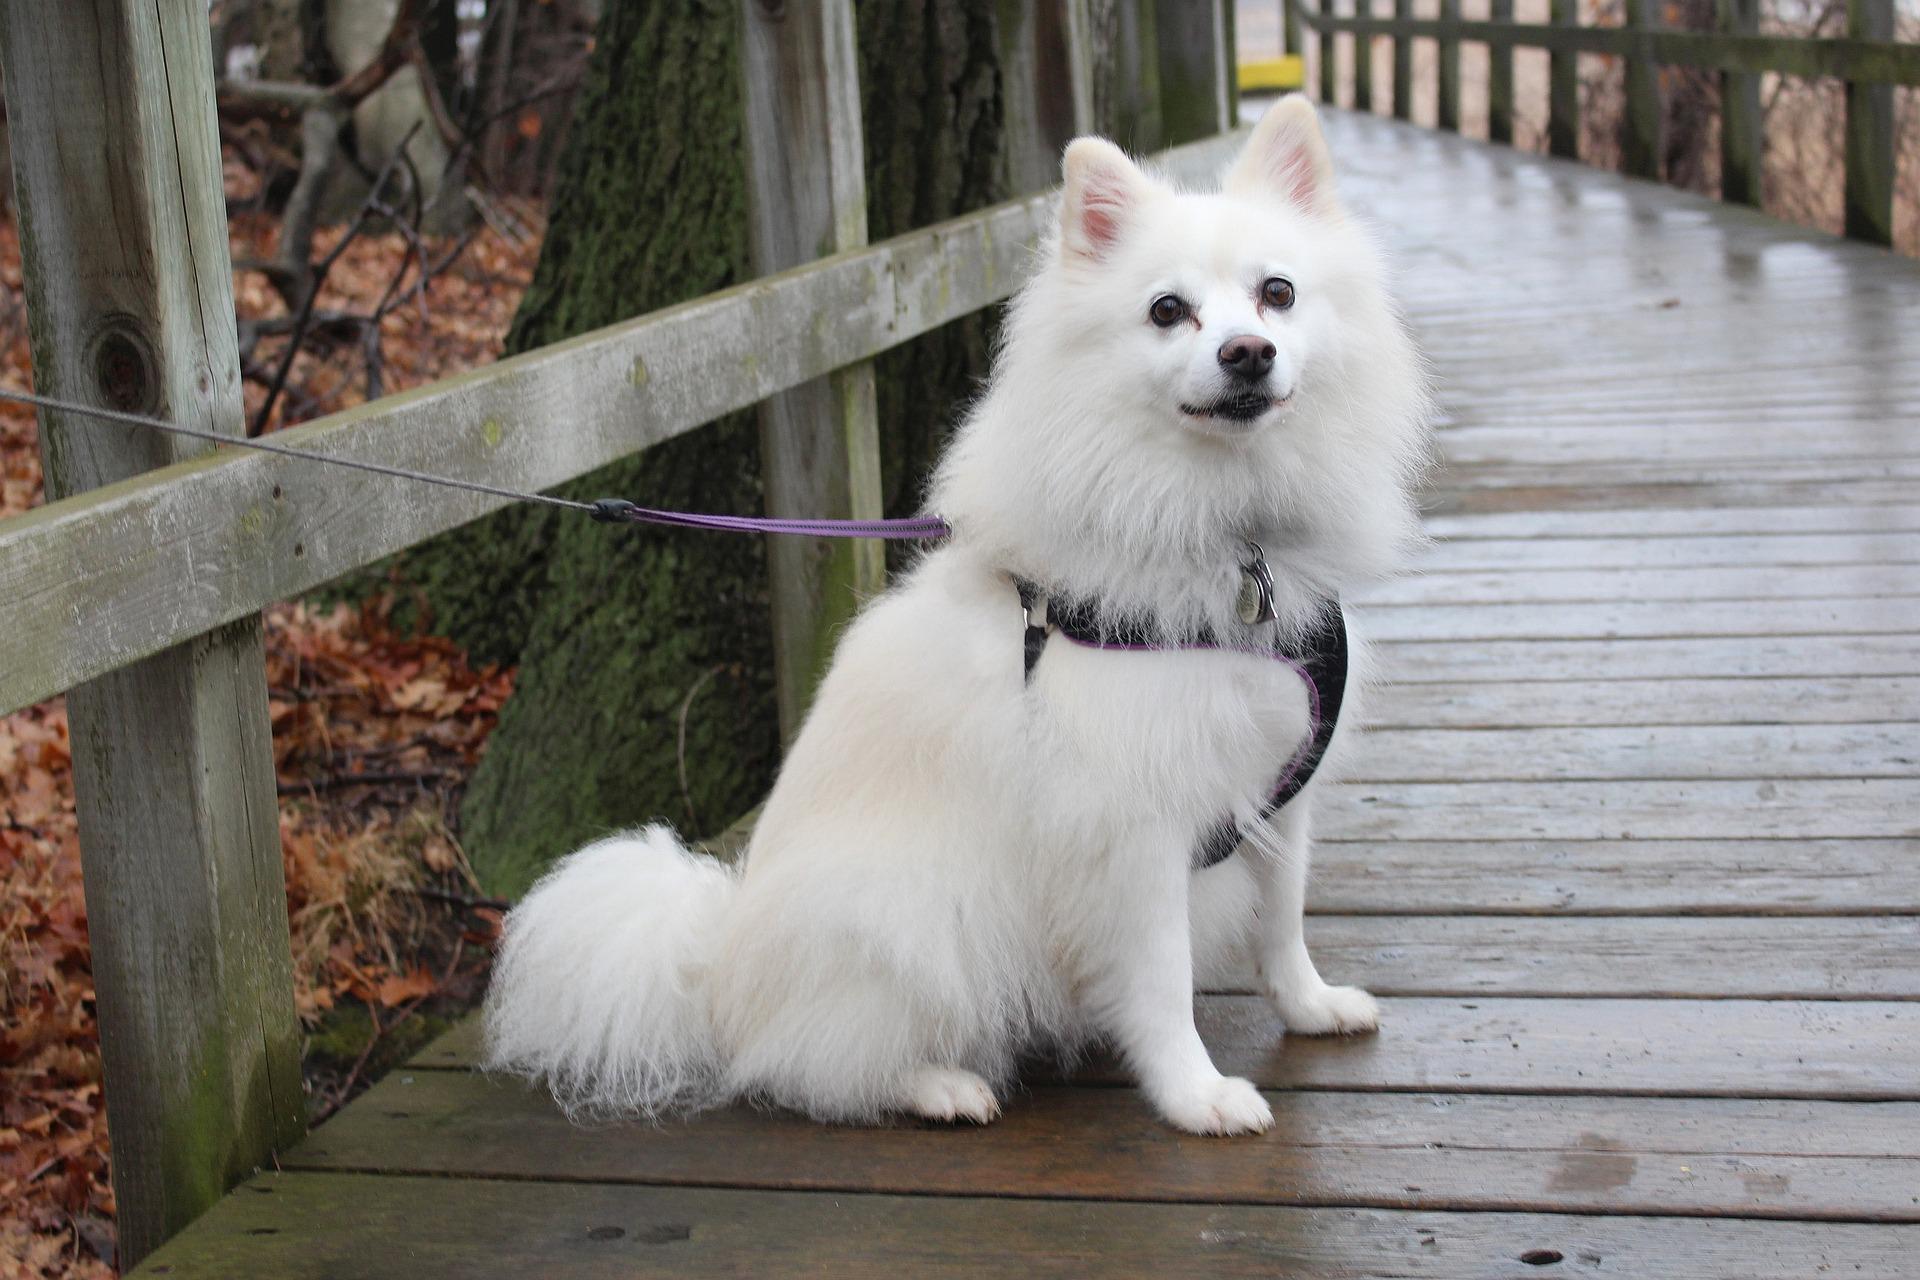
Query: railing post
{"type": "Point", "coordinates": [1294, 36]}
{"type": "Point", "coordinates": [1402, 64]}
{"type": "Point", "coordinates": [1741, 146]}
{"type": "Point", "coordinates": [1640, 129]}
{"type": "Point", "coordinates": [1363, 61]}
{"type": "Point", "coordinates": [1196, 69]}
{"type": "Point", "coordinates": [1132, 77]}
{"type": "Point", "coordinates": [116, 162]}
{"type": "Point", "coordinates": [1329, 45]}
{"type": "Point", "coordinates": [820, 442]}
{"type": "Point", "coordinates": [1563, 88]}
{"type": "Point", "coordinates": [1448, 111]}
{"type": "Point", "coordinates": [1870, 133]}
{"type": "Point", "coordinates": [1500, 79]}
{"type": "Point", "coordinates": [1046, 88]}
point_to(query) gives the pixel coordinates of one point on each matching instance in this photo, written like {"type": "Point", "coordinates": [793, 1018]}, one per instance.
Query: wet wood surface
{"type": "Point", "coordinates": [1633, 855]}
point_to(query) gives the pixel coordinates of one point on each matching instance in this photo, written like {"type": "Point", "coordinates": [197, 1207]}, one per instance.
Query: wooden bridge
{"type": "Point", "coordinates": [1632, 856]}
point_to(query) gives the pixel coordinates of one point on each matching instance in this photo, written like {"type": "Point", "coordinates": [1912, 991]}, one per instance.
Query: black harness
{"type": "Point", "coordinates": [1320, 659]}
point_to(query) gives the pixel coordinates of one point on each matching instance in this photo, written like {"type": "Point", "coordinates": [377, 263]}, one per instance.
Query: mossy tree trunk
{"type": "Point", "coordinates": [645, 686]}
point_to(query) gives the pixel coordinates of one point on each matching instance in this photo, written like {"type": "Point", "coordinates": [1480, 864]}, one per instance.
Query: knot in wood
{"type": "Point", "coordinates": [123, 366]}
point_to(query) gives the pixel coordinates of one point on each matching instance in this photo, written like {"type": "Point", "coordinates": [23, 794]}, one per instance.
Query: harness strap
{"type": "Point", "coordinates": [1321, 662]}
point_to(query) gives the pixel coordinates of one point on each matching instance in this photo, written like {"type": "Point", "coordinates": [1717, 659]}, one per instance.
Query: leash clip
{"type": "Point", "coordinates": [613, 510]}
{"type": "Point", "coordinates": [1255, 602]}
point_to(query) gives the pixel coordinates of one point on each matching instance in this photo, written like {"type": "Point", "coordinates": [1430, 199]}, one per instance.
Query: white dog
{"type": "Point", "coordinates": [965, 859]}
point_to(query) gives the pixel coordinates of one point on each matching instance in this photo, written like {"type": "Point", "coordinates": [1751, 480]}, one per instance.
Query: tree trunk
{"type": "Point", "coordinates": [644, 655]}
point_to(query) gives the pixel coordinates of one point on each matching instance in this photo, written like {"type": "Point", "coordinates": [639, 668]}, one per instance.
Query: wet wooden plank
{"type": "Point", "coordinates": [1538, 586]}
{"type": "Point", "coordinates": [1783, 657]}
{"type": "Point", "coordinates": [1656, 523]}
{"type": "Point", "coordinates": [1617, 877]}
{"type": "Point", "coordinates": [1630, 753]}
{"type": "Point", "coordinates": [1547, 703]}
{"type": "Point", "coordinates": [1574, 621]}
{"type": "Point", "coordinates": [1749, 1158]}
{"type": "Point", "coordinates": [1772, 809]}
{"type": "Point", "coordinates": [1763, 957]}
{"type": "Point", "coordinates": [1837, 1050]}
{"type": "Point", "coordinates": [288, 1226]}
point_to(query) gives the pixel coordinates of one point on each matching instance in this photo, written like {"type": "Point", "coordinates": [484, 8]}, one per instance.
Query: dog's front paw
{"type": "Point", "coordinates": [947, 1093]}
{"type": "Point", "coordinates": [1220, 1107]}
{"type": "Point", "coordinates": [1326, 1011]}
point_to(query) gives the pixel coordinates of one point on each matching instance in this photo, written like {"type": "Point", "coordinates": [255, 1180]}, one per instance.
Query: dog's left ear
{"type": "Point", "coordinates": [1287, 158]}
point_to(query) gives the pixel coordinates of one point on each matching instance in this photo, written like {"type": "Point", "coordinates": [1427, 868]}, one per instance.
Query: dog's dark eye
{"type": "Point", "coordinates": [1277, 292]}
{"type": "Point", "coordinates": [1167, 311]}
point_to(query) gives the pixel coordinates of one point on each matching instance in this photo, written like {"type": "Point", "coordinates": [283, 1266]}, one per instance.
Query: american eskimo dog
{"type": "Point", "coordinates": [1205, 409]}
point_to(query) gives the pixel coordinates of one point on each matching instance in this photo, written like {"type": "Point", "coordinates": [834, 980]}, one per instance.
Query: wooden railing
{"type": "Point", "coordinates": [138, 590]}
{"type": "Point", "coordinates": [1868, 61]}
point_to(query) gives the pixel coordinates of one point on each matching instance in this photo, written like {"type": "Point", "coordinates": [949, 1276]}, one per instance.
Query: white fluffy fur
{"type": "Point", "coordinates": [957, 865]}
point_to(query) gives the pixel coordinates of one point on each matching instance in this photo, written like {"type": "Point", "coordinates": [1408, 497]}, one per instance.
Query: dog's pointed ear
{"type": "Point", "coordinates": [1287, 158]}
{"type": "Point", "coordinates": [1104, 190]}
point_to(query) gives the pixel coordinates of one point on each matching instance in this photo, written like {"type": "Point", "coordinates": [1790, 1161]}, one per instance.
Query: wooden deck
{"type": "Point", "coordinates": [1634, 857]}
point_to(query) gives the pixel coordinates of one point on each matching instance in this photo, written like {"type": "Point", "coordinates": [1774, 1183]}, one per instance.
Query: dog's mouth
{"type": "Point", "coordinates": [1243, 406]}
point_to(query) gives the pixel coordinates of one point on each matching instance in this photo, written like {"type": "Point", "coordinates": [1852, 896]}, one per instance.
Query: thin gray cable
{"type": "Point", "coordinates": [399, 473]}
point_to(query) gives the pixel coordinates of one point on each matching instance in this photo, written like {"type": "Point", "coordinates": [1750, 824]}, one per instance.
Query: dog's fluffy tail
{"type": "Point", "coordinates": [599, 990]}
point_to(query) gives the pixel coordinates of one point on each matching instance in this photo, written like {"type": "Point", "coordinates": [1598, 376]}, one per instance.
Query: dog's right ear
{"type": "Point", "coordinates": [1103, 193]}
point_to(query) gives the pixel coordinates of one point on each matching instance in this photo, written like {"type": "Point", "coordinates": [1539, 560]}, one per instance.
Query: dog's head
{"type": "Point", "coordinates": [1208, 307]}
{"type": "Point", "coordinates": [1187, 370]}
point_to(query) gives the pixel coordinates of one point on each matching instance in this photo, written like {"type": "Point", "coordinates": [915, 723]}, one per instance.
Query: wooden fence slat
{"type": "Point", "coordinates": [1402, 65]}
{"type": "Point", "coordinates": [1328, 43]}
{"type": "Point", "coordinates": [1563, 88]}
{"type": "Point", "coordinates": [1864, 61]}
{"type": "Point", "coordinates": [1640, 125]}
{"type": "Point", "coordinates": [1131, 78]}
{"type": "Point", "coordinates": [1742, 147]}
{"type": "Point", "coordinates": [1500, 80]}
{"type": "Point", "coordinates": [117, 168]}
{"type": "Point", "coordinates": [820, 441]}
{"type": "Point", "coordinates": [99, 581]}
{"type": "Point", "coordinates": [1363, 61]}
{"type": "Point", "coordinates": [1870, 128]}
{"type": "Point", "coordinates": [1196, 68]}
{"type": "Point", "coordinates": [1046, 84]}
{"type": "Point", "coordinates": [1449, 104]}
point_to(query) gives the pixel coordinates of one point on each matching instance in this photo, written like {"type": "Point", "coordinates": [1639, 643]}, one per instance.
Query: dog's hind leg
{"type": "Point", "coordinates": [1281, 852]}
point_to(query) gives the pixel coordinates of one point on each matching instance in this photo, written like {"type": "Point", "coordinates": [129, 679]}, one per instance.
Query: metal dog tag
{"type": "Point", "coordinates": [1255, 602]}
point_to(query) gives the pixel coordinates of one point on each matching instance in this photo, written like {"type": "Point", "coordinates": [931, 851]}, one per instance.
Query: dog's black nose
{"type": "Point", "coordinates": [1247, 356]}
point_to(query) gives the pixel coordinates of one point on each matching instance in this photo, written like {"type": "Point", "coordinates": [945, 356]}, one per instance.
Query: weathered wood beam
{"type": "Point", "coordinates": [96, 582]}
{"type": "Point", "coordinates": [1047, 88]}
{"type": "Point", "coordinates": [1363, 57]}
{"type": "Point", "coordinates": [1863, 61]}
{"type": "Point", "coordinates": [1563, 88]}
{"type": "Point", "coordinates": [1196, 68]}
{"type": "Point", "coordinates": [1499, 75]}
{"type": "Point", "coordinates": [1448, 116]}
{"type": "Point", "coordinates": [1870, 127]}
{"type": "Point", "coordinates": [124, 250]}
{"type": "Point", "coordinates": [1742, 146]}
{"type": "Point", "coordinates": [820, 441]}
{"type": "Point", "coordinates": [1131, 76]}
{"type": "Point", "coordinates": [1403, 65]}
{"type": "Point", "coordinates": [1329, 47]}
{"type": "Point", "coordinates": [1642, 124]}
